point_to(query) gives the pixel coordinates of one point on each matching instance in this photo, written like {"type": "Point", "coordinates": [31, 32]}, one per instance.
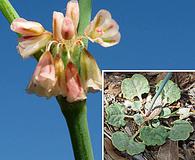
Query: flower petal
{"type": "Point", "coordinates": [103, 30]}
{"type": "Point", "coordinates": [68, 30]}
{"type": "Point", "coordinates": [109, 41]}
{"type": "Point", "coordinates": [44, 77]}
{"type": "Point", "coordinates": [74, 89]}
{"type": "Point", "coordinates": [30, 45]}
{"type": "Point", "coordinates": [61, 83]}
{"type": "Point", "coordinates": [90, 73]}
{"type": "Point", "coordinates": [27, 28]}
{"type": "Point", "coordinates": [72, 11]}
{"type": "Point", "coordinates": [58, 19]}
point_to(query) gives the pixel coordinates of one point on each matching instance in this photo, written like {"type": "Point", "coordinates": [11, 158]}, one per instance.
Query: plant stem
{"type": "Point", "coordinates": [107, 135]}
{"type": "Point", "coordinates": [76, 118]}
{"type": "Point", "coordinates": [127, 116]}
{"type": "Point", "coordinates": [162, 85]}
{"type": "Point", "coordinates": [8, 11]}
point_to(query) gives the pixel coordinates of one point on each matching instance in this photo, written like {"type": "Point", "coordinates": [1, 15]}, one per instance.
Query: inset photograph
{"type": "Point", "coordinates": [149, 115]}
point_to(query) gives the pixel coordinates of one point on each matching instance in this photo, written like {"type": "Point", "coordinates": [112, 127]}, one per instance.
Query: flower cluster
{"type": "Point", "coordinates": [59, 70]}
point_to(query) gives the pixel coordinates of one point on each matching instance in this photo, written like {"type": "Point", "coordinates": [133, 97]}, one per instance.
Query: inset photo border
{"type": "Point", "coordinates": [148, 114]}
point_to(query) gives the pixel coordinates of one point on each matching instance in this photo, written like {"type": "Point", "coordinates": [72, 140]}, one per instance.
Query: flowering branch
{"type": "Point", "coordinates": [76, 113]}
{"type": "Point", "coordinates": [65, 67]}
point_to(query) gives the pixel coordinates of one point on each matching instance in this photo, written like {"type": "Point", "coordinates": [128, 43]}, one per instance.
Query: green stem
{"type": "Point", "coordinates": [76, 113]}
{"type": "Point", "coordinates": [162, 85]}
{"type": "Point", "coordinates": [8, 11]}
{"type": "Point", "coordinates": [76, 118]}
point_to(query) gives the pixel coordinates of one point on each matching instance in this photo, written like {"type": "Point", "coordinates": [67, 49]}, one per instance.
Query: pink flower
{"type": "Point", "coordinates": [74, 89]}
{"type": "Point", "coordinates": [103, 30]}
{"type": "Point", "coordinates": [29, 45]}
{"type": "Point", "coordinates": [72, 11]}
{"type": "Point", "coordinates": [90, 72]}
{"type": "Point", "coordinates": [68, 30]}
{"type": "Point", "coordinates": [56, 74]}
{"type": "Point", "coordinates": [44, 78]}
{"type": "Point", "coordinates": [34, 37]}
{"type": "Point", "coordinates": [64, 28]}
{"type": "Point", "coordinates": [27, 28]}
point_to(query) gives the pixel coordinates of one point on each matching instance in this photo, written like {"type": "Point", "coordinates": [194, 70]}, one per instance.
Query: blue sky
{"type": "Point", "coordinates": [155, 35]}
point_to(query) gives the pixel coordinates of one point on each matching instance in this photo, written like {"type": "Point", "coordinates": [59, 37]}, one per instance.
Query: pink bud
{"type": "Point", "coordinates": [74, 89]}
{"type": "Point", "coordinates": [58, 19]}
{"type": "Point", "coordinates": [67, 29]}
{"type": "Point", "coordinates": [72, 11]}
{"type": "Point", "coordinates": [44, 77]}
{"type": "Point", "coordinates": [27, 28]}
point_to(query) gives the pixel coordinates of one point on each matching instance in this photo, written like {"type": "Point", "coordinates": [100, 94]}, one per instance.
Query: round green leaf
{"type": "Point", "coordinates": [120, 140]}
{"type": "Point", "coordinates": [136, 105]}
{"type": "Point", "coordinates": [115, 115]}
{"type": "Point", "coordinates": [153, 136]}
{"type": "Point", "coordinates": [171, 92]}
{"type": "Point", "coordinates": [138, 118]}
{"type": "Point", "coordinates": [135, 86]}
{"type": "Point", "coordinates": [135, 147]}
{"type": "Point", "coordinates": [165, 113]}
{"type": "Point", "coordinates": [155, 123]}
{"type": "Point", "coordinates": [180, 131]}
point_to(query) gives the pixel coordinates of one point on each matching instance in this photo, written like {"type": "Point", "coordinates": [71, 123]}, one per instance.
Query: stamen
{"type": "Point", "coordinates": [48, 47]}
{"type": "Point", "coordinates": [79, 41]}
{"type": "Point", "coordinates": [68, 55]}
{"type": "Point", "coordinates": [58, 48]}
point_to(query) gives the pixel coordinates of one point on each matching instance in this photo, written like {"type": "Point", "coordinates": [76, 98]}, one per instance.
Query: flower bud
{"type": "Point", "coordinates": [44, 77]}
{"type": "Point", "coordinates": [72, 11]}
{"type": "Point", "coordinates": [58, 19]}
{"type": "Point", "coordinates": [74, 89]}
{"type": "Point", "coordinates": [67, 29]}
{"type": "Point", "coordinates": [30, 45]}
{"type": "Point", "coordinates": [27, 28]}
